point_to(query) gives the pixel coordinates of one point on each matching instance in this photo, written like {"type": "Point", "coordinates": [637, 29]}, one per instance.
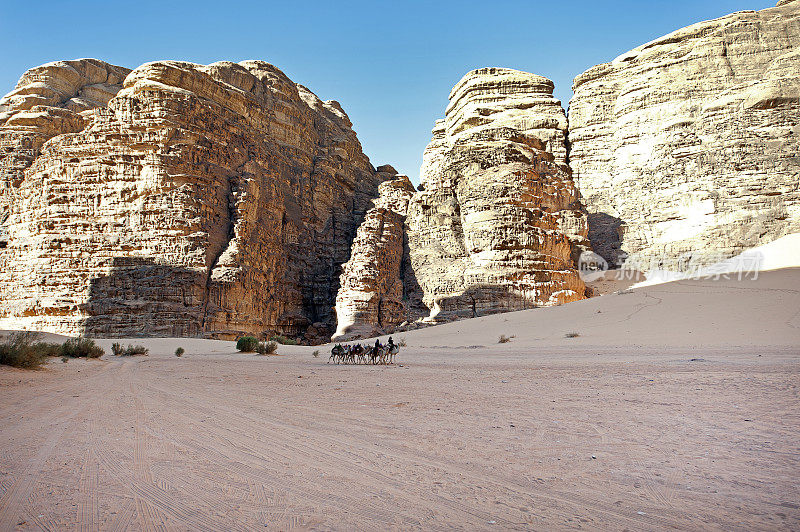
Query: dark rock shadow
{"type": "Point", "coordinates": [606, 233]}
{"type": "Point", "coordinates": [482, 300]}
{"type": "Point", "coordinates": [143, 298]}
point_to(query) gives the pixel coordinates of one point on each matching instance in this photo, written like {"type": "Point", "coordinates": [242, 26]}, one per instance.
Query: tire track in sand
{"type": "Point", "coordinates": [151, 502]}
{"type": "Point", "coordinates": [294, 446]}
{"type": "Point", "coordinates": [276, 428]}
{"type": "Point", "coordinates": [59, 423]}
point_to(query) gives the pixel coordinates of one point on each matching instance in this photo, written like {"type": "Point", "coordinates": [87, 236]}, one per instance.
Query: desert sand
{"type": "Point", "coordinates": [676, 406]}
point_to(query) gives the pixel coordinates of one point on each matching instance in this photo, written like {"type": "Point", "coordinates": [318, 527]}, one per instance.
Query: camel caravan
{"type": "Point", "coordinates": [358, 354]}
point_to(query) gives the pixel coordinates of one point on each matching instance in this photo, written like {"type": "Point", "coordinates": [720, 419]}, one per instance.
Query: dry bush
{"type": "Point", "coordinates": [315, 354]}
{"type": "Point", "coordinates": [503, 339]}
{"type": "Point", "coordinates": [81, 348]}
{"type": "Point", "coordinates": [266, 348]}
{"type": "Point", "coordinates": [131, 350]}
{"type": "Point", "coordinates": [23, 350]}
{"type": "Point", "coordinates": [571, 335]}
{"type": "Point", "coordinates": [179, 352]}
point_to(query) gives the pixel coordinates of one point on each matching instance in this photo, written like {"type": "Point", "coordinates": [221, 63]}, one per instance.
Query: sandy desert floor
{"type": "Point", "coordinates": [677, 406]}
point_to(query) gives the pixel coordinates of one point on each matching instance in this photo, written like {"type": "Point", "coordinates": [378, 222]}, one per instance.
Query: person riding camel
{"type": "Point", "coordinates": [391, 342]}
{"type": "Point", "coordinates": [377, 343]}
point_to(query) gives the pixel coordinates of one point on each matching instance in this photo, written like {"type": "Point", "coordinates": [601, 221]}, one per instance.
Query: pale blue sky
{"type": "Point", "coordinates": [391, 65]}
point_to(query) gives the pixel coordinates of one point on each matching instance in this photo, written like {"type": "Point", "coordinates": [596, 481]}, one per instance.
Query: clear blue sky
{"type": "Point", "coordinates": [391, 65]}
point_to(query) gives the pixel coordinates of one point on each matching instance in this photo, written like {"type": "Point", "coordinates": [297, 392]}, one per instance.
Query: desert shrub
{"type": "Point", "coordinates": [401, 342]}
{"type": "Point", "coordinates": [315, 354]}
{"type": "Point", "coordinates": [179, 352]}
{"type": "Point", "coordinates": [283, 340]}
{"type": "Point", "coordinates": [131, 350]}
{"type": "Point", "coordinates": [22, 350]}
{"type": "Point", "coordinates": [266, 348]}
{"type": "Point", "coordinates": [81, 348]}
{"type": "Point", "coordinates": [503, 339]}
{"type": "Point", "coordinates": [64, 359]}
{"type": "Point", "coordinates": [247, 344]}
{"type": "Point", "coordinates": [571, 335]}
{"type": "Point", "coordinates": [134, 350]}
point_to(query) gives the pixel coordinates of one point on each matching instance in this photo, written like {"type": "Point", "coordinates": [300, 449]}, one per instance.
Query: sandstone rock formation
{"type": "Point", "coordinates": [48, 100]}
{"type": "Point", "coordinates": [189, 200]}
{"type": "Point", "coordinates": [372, 299]}
{"type": "Point", "coordinates": [201, 200]}
{"type": "Point", "coordinates": [685, 148]}
{"type": "Point", "coordinates": [498, 225]}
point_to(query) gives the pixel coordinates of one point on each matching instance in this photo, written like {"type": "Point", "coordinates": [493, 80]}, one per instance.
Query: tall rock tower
{"type": "Point", "coordinates": [498, 224]}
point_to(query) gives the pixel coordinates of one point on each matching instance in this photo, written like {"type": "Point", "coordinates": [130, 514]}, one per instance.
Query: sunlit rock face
{"type": "Point", "coordinates": [686, 148]}
{"type": "Point", "coordinates": [49, 100]}
{"type": "Point", "coordinates": [197, 201]}
{"type": "Point", "coordinates": [373, 298]}
{"type": "Point", "coordinates": [498, 224]}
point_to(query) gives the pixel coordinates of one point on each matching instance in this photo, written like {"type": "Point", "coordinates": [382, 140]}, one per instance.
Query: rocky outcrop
{"type": "Point", "coordinates": [373, 296]}
{"type": "Point", "coordinates": [685, 148]}
{"type": "Point", "coordinates": [48, 100]}
{"type": "Point", "coordinates": [200, 200]}
{"type": "Point", "coordinates": [498, 224]}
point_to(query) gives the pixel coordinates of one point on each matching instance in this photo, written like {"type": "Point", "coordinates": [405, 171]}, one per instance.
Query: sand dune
{"type": "Point", "coordinates": [676, 406]}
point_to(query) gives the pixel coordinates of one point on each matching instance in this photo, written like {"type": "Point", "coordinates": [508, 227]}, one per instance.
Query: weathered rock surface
{"type": "Point", "coordinates": [686, 148]}
{"type": "Point", "coordinates": [49, 100]}
{"type": "Point", "coordinates": [201, 200]}
{"type": "Point", "coordinates": [498, 224]}
{"type": "Point", "coordinates": [372, 299]}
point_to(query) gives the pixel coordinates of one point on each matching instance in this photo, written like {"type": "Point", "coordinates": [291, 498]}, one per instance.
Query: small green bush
{"type": "Point", "coordinates": [81, 348]}
{"type": "Point", "coordinates": [22, 350]}
{"type": "Point", "coordinates": [283, 340]}
{"type": "Point", "coordinates": [266, 348]}
{"type": "Point", "coordinates": [247, 344]}
{"type": "Point", "coordinates": [117, 349]}
{"type": "Point", "coordinates": [315, 354]}
{"type": "Point", "coordinates": [179, 352]}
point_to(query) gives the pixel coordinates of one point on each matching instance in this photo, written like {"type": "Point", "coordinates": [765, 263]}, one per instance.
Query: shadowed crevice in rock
{"type": "Point", "coordinates": [606, 233]}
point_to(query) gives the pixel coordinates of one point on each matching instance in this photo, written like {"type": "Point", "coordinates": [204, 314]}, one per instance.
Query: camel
{"type": "Point", "coordinates": [357, 354]}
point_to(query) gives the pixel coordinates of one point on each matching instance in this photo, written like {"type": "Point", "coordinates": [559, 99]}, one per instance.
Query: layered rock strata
{"type": "Point", "coordinates": [373, 297]}
{"type": "Point", "coordinates": [498, 224]}
{"type": "Point", "coordinates": [48, 101]}
{"type": "Point", "coordinates": [686, 148]}
{"type": "Point", "coordinates": [201, 200]}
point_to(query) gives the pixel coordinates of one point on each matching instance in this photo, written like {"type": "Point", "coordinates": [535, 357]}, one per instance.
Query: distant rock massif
{"type": "Point", "coordinates": [214, 200]}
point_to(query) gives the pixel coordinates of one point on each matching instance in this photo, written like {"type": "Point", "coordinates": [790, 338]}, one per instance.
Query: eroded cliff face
{"type": "Point", "coordinates": [498, 225]}
{"type": "Point", "coordinates": [373, 298]}
{"type": "Point", "coordinates": [201, 200]}
{"type": "Point", "coordinates": [48, 100]}
{"type": "Point", "coordinates": [686, 148]}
